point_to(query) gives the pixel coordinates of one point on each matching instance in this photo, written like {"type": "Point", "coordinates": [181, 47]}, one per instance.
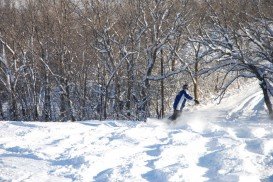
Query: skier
{"type": "Point", "coordinates": [180, 101]}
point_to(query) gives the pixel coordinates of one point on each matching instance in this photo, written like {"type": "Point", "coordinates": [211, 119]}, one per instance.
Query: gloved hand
{"type": "Point", "coordinates": [196, 101]}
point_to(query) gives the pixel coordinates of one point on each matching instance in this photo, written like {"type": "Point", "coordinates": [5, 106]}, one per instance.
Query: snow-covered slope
{"type": "Point", "coordinates": [232, 141]}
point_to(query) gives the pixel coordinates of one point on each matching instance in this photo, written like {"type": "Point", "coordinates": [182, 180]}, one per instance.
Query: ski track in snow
{"type": "Point", "coordinates": [229, 142]}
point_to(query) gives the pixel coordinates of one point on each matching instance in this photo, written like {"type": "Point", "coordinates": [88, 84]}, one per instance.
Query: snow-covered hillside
{"type": "Point", "coordinates": [232, 141]}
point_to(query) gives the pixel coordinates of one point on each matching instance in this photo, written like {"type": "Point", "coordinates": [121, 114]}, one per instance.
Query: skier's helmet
{"type": "Point", "coordinates": [185, 86]}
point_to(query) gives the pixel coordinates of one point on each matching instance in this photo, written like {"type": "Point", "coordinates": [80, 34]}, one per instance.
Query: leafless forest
{"type": "Point", "coordinates": [74, 60]}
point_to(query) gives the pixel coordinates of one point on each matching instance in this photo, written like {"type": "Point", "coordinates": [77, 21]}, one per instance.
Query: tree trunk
{"type": "Point", "coordinates": [62, 107]}
{"type": "Point", "coordinates": [13, 109]}
{"type": "Point", "coordinates": [118, 102]}
{"type": "Point", "coordinates": [84, 113]}
{"type": "Point", "coordinates": [195, 83]}
{"type": "Point", "coordinates": [83, 86]}
{"type": "Point", "coordinates": [47, 105]}
{"type": "Point", "coordinates": [26, 115]}
{"type": "Point", "coordinates": [162, 86]}
{"type": "Point", "coordinates": [158, 111]}
{"type": "Point", "coordinates": [1, 111]}
{"type": "Point", "coordinates": [69, 102]}
{"type": "Point", "coordinates": [129, 87]}
{"type": "Point", "coordinates": [100, 101]}
{"type": "Point", "coordinates": [145, 109]}
{"type": "Point", "coordinates": [264, 88]}
{"type": "Point", "coordinates": [267, 98]}
{"type": "Point", "coordinates": [105, 103]}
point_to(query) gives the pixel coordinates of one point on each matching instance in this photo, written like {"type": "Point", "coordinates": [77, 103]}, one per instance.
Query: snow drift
{"type": "Point", "coordinates": [228, 142]}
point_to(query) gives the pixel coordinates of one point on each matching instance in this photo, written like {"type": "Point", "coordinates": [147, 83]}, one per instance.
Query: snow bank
{"type": "Point", "coordinates": [228, 142]}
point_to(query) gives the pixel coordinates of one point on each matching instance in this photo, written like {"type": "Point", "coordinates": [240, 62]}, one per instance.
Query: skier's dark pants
{"type": "Point", "coordinates": [176, 114]}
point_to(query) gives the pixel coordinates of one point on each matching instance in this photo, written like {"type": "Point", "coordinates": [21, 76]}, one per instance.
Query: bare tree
{"type": "Point", "coordinates": [241, 47]}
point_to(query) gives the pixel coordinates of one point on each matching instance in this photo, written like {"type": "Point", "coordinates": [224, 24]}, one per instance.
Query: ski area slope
{"type": "Point", "coordinates": [232, 141]}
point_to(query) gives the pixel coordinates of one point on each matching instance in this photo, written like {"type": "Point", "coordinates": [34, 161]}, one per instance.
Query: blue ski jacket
{"type": "Point", "coordinates": [180, 100]}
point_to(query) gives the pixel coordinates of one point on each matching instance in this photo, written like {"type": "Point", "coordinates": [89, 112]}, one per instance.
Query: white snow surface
{"type": "Point", "coordinates": [232, 141]}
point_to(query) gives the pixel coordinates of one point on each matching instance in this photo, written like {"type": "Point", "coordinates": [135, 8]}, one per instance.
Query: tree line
{"type": "Point", "coordinates": [73, 60]}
